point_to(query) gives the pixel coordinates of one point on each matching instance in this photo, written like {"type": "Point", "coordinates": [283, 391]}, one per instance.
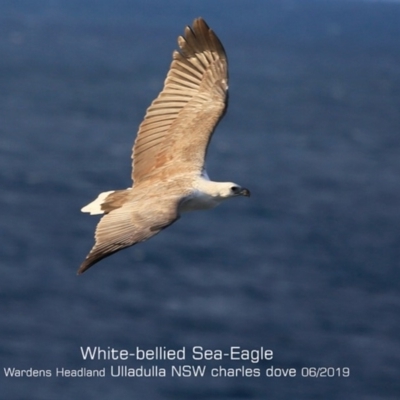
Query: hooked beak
{"type": "Point", "coordinates": [245, 192]}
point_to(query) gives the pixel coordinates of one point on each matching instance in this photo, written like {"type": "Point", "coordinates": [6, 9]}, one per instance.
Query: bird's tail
{"type": "Point", "coordinates": [107, 201]}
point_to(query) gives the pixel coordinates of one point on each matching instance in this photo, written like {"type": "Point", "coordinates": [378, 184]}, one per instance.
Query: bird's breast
{"type": "Point", "coordinates": [199, 201]}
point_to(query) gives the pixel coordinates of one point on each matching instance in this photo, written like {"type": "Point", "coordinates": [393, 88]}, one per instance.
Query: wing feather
{"type": "Point", "coordinates": [132, 223]}
{"type": "Point", "coordinates": [178, 125]}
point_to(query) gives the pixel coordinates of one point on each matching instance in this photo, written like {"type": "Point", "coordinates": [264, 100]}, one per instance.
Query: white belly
{"type": "Point", "coordinates": [199, 201]}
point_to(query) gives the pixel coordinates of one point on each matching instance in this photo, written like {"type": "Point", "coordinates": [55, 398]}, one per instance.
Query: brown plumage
{"type": "Point", "coordinates": [169, 151]}
{"type": "Point", "coordinates": [179, 122]}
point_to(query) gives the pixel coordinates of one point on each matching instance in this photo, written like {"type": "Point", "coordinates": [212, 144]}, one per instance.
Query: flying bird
{"type": "Point", "coordinates": [168, 159]}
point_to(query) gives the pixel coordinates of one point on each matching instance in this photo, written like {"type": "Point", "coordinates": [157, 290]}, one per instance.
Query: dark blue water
{"type": "Point", "coordinates": [307, 267]}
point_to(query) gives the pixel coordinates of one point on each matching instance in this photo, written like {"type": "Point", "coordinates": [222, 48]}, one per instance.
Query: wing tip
{"type": "Point", "coordinates": [86, 265]}
{"type": "Point", "coordinates": [200, 23]}
{"type": "Point", "coordinates": [92, 258]}
{"type": "Point", "coordinates": [203, 35]}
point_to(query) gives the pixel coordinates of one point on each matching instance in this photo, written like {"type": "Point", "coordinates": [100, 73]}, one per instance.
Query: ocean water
{"type": "Point", "coordinates": [307, 267]}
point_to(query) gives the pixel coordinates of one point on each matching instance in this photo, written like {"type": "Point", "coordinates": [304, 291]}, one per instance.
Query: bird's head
{"type": "Point", "coordinates": [230, 189]}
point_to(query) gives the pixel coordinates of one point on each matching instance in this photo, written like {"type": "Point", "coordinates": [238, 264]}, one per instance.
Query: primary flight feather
{"type": "Point", "coordinates": [168, 170]}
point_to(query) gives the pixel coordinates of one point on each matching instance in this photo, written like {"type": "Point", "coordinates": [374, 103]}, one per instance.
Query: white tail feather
{"type": "Point", "coordinates": [94, 207]}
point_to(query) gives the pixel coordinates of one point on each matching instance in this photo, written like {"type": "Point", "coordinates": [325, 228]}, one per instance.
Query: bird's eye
{"type": "Point", "coordinates": [235, 189]}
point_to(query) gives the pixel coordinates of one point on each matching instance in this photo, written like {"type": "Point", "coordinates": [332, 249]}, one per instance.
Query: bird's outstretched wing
{"type": "Point", "coordinates": [178, 125]}
{"type": "Point", "coordinates": [132, 223]}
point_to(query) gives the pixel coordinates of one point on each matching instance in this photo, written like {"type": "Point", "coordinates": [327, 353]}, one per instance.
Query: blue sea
{"type": "Point", "coordinates": [308, 267]}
